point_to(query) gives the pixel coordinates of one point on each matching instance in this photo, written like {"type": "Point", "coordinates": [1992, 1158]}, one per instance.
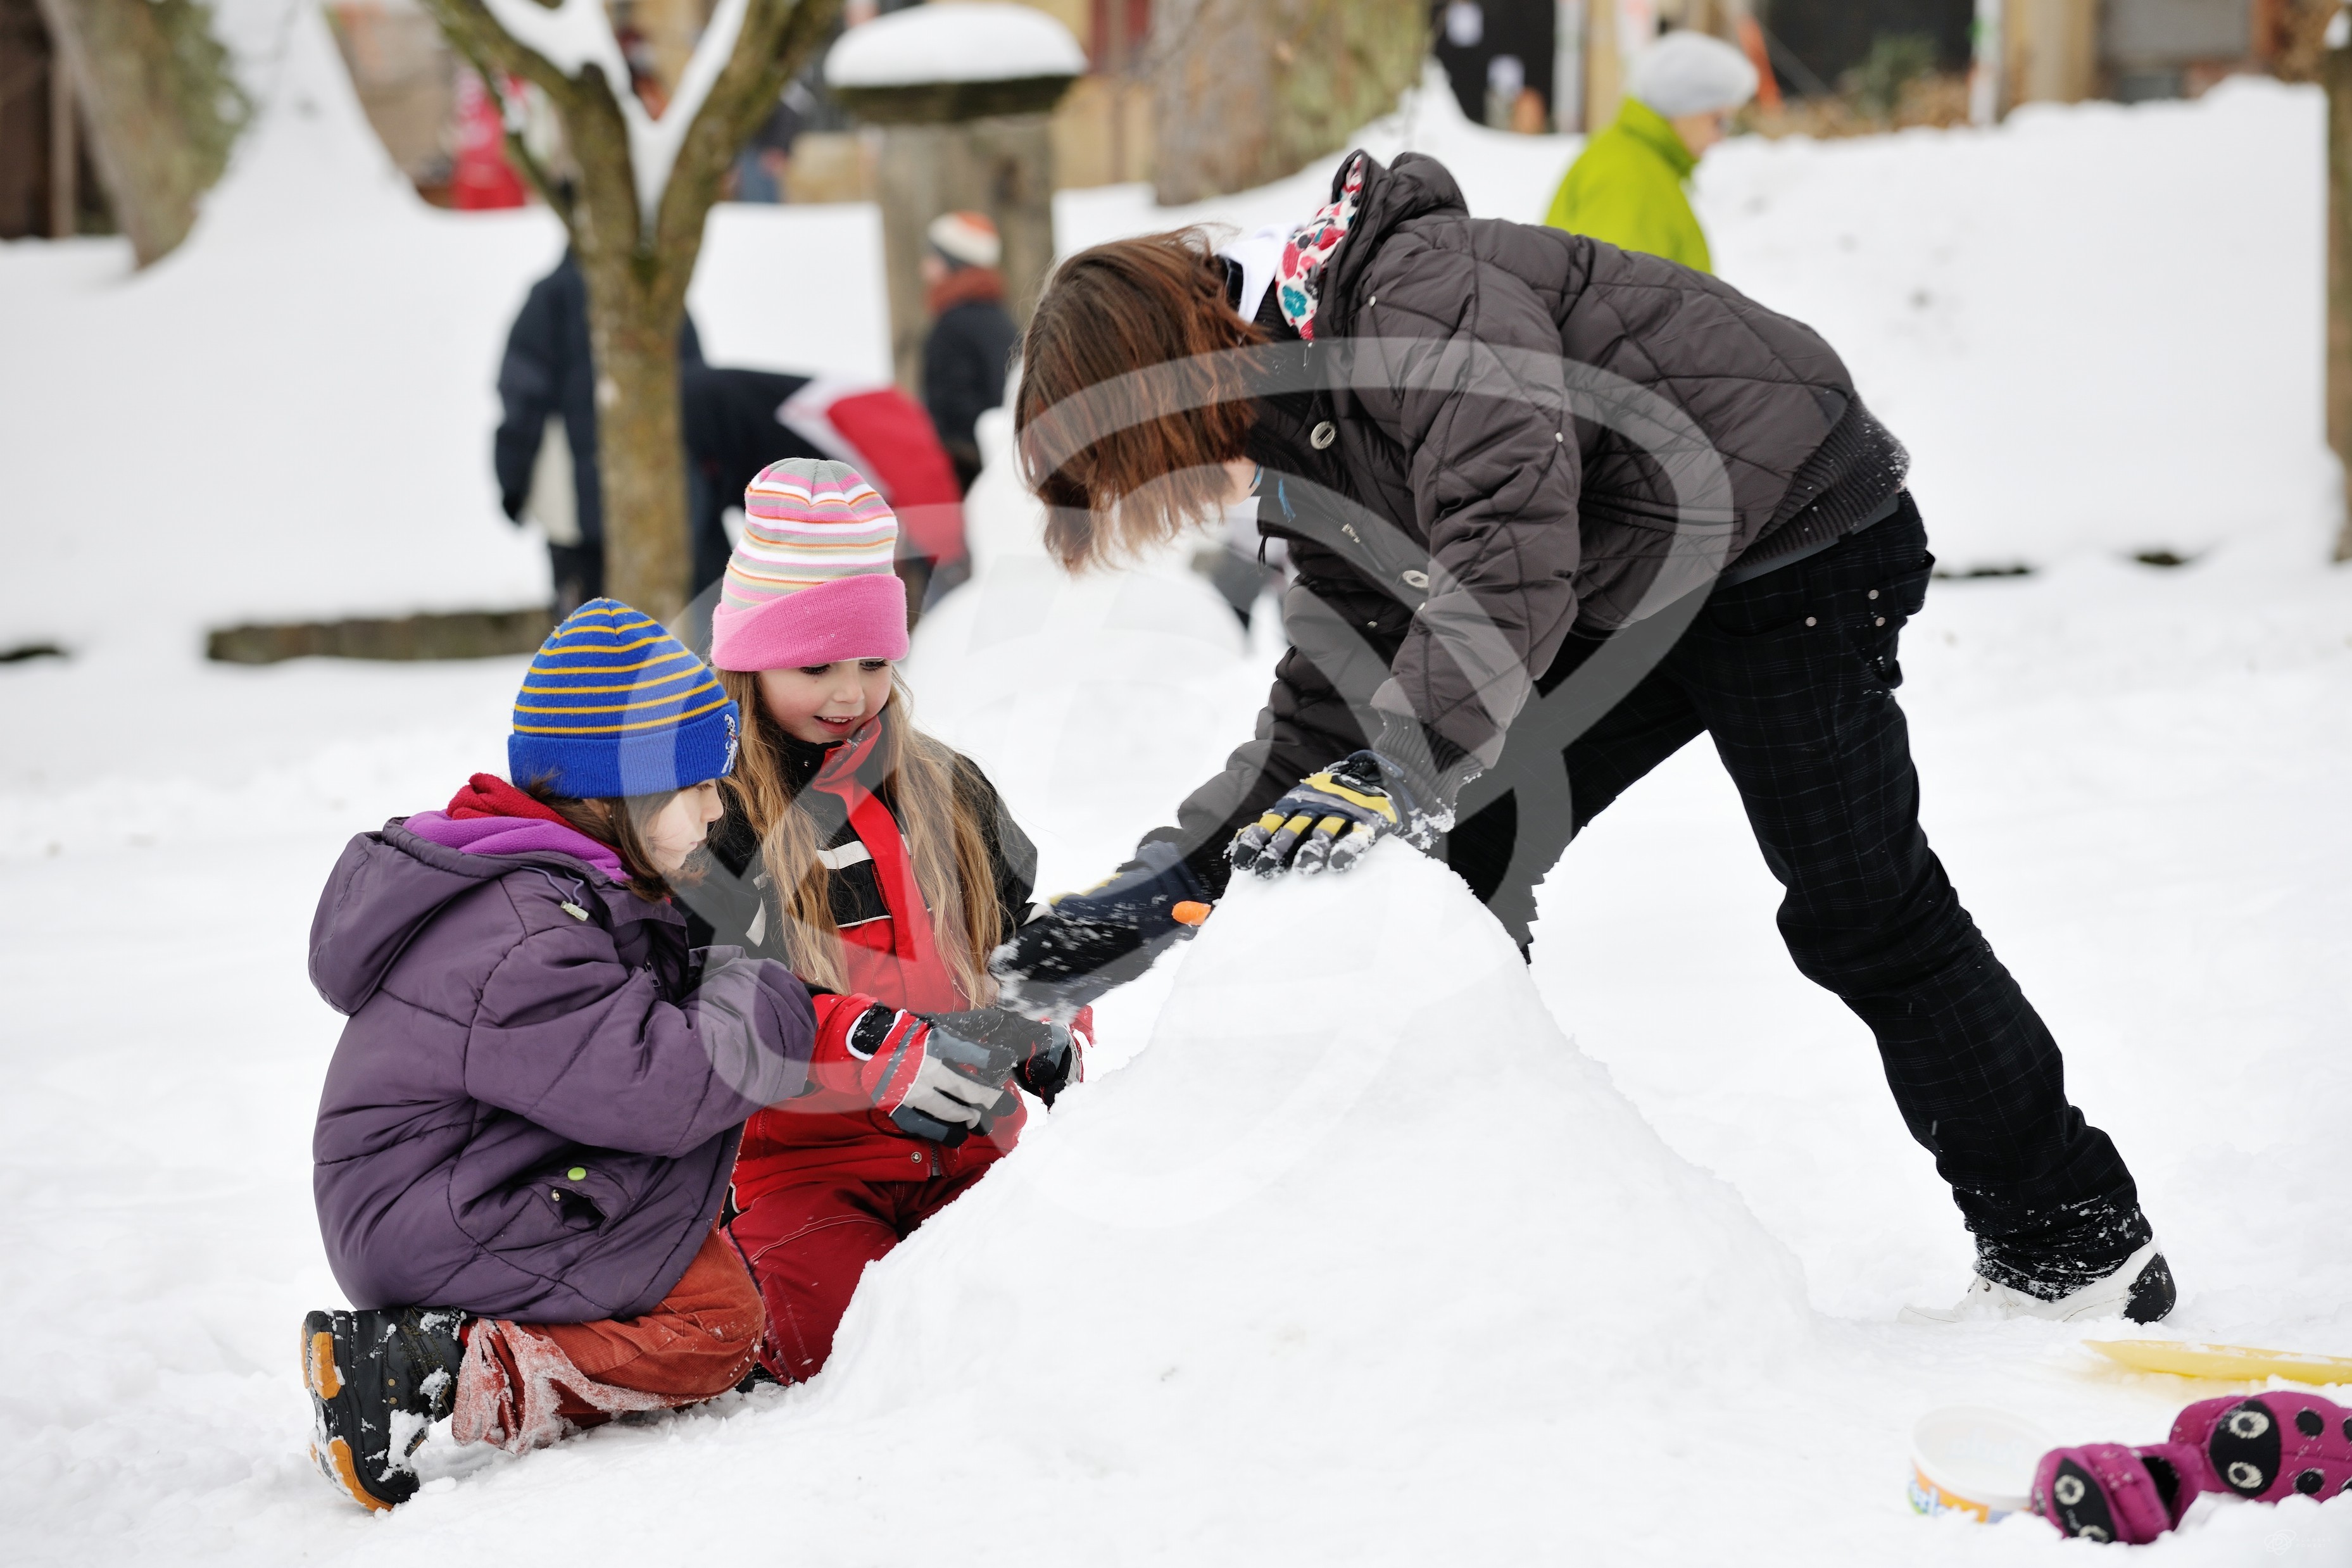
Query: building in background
{"type": "Point", "coordinates": [2038, 51]}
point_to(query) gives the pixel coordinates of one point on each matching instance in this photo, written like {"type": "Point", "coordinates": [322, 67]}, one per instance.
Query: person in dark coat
{"type": "Point", "coordinates": [738, 422]}
{"type": "Point", "coordinates": [549, 373]}
{"type": "Point", "coordinates": [972, 336]}
{"type": "Point", "coordinates": [1556, 509]}
{"type": "Point", "coordinates": [527, 1132]}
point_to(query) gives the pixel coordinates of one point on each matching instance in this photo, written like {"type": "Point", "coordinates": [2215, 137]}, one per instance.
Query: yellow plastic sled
{"type": "Point", "coordinates": [2223, 1363]}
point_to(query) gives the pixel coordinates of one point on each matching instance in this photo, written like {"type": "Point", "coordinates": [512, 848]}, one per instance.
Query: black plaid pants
{"type": "Point", "coordinates": [1792, 674]}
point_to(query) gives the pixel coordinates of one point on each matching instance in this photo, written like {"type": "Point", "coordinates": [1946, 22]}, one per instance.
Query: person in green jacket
{"type": "Point", "coordinates": [1626, 186]}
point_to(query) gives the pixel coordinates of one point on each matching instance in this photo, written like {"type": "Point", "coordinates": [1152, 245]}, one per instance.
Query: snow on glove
{"type": "Point", "coordinates": [1088, 942]}
{"type": "Point", "coordinates": [928, 1080]}
{"type": "Point", "coordinates": [1332, 818]}
{"type": "Point", "coordinates": [1043, 1057]}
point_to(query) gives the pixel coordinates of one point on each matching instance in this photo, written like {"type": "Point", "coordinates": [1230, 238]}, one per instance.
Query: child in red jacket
{"type": "Point", "coordinates": [882, 868]}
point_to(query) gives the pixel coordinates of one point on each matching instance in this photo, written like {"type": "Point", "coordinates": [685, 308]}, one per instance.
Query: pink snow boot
{"type": "Point", "coordinates": [2105, 1491]}
{"type": "Point", "coordinates": [2264, 1446]}
{"type": "Point", "coordinates": [2269, 1446]}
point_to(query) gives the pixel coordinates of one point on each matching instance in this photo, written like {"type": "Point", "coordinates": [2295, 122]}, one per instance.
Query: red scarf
{"type": "Point", "coordinates": [907, 971]}
{"type": "Point", "coordinates": [488, 795]}
{"type": "Point", "coordinates": [964, 285]}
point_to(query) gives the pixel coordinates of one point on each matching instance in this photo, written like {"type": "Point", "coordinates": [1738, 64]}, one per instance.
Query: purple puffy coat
{"type": "Point", "coordinates": [531, 1115]}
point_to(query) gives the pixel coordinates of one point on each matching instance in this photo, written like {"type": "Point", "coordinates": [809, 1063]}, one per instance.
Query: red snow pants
{"type": "Point", "coordinates": [808, 1245]}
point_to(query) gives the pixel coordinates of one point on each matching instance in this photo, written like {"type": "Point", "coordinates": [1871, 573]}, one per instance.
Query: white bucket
{"type": "Point", "coordinates": [1969, 1459]}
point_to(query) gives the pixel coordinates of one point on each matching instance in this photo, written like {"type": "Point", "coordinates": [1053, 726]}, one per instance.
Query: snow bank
{"type": "Point", "coordinates": [984, 40]}
{"type": "Point", "coordinates": [2098, 328]}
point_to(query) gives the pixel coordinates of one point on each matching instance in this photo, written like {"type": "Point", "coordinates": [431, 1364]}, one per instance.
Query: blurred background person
{"type": "Point", "coordinates": [1626, 186]}
{"type": "Point", "coordinates": [972, 335]}
{"type": "Point", "coordinates": [761, 168]}
{"type": "Point", "coordinates": [738, 422]}
{"type": "Point", "coordinates": [545, 449]}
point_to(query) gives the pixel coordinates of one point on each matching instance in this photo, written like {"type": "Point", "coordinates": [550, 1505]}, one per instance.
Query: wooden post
{"type": "Point", "coordinates": [1568, 66]}
{"type": "Point", "coordinates": [1604, 72]}
{"type": "Point", "coordinates": [2335, 76]}
{"type": "Point", "coordinates": [1114, 55]}
{"type": "Point", "coordinates": [2050, 50]}
{"type": "Point", "coordinates": [1000, 165]}
{"type": "Point", "coordinates": [65, 160]}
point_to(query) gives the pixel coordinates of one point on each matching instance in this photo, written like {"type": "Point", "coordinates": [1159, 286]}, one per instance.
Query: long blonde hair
{"type": "Point", "coordinates": [941, 821]}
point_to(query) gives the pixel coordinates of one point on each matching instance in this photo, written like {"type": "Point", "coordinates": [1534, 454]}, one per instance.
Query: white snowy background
{"type": "Point", "coordinates": [1373, 1245]}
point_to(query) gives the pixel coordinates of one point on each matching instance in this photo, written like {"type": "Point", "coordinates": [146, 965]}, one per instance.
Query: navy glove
{"type": "Point", "coordinates": [1086, 942]}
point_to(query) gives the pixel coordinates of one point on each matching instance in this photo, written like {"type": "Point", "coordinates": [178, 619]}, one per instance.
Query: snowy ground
{"type": "Point", "coordinates": [1442, 1260]}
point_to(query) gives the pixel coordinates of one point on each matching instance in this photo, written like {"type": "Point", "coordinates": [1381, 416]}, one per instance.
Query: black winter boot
{"type": "Point", "coordinates": [377, 1380]}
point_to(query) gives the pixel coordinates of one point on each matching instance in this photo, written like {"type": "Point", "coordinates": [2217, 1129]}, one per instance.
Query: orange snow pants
{"type": "Point", "coordinates": [698, 1343]}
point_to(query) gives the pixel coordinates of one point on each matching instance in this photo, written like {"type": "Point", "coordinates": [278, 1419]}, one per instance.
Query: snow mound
{"type": "Point", "coordinates": [1366, 1222]}
{"type": "Point", "coordinates": [983, 41]}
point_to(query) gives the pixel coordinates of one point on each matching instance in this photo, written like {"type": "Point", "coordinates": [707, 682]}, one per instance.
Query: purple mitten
{"type": "Point", "coordinates": [2267, 1445]}
{"type": "Point", "coordinates": [2105, 1491]}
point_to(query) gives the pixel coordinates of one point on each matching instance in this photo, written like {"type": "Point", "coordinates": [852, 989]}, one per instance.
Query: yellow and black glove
{"type": "Point", "coordinates": [1331, 818]}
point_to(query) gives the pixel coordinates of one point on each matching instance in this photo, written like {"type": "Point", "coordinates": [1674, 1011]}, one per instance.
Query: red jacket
{"type": "Point", "coordinates": [834, 1130]}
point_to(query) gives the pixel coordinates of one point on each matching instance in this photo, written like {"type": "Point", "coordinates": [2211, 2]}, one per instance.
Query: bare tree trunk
{"type": "Point", "coordinates": [1245, 91]}
{"type": "Point", "coordinates": [159, 104]}
{"type": "Point", "coordinates": [2303, 38]}
{"type": "Point", "coordinates": [638, 257]}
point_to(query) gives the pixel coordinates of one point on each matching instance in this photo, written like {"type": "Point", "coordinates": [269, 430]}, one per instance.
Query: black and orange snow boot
{"type": "Point", "coordinates": [377, 1381]}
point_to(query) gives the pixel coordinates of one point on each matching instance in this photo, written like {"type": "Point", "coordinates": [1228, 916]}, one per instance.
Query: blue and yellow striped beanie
{"type": "Point", "coordinates": [613, 704]}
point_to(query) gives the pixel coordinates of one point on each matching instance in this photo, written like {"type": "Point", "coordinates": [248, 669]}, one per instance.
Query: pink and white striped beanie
{"type": "Point", "coordinates": [811, 580]}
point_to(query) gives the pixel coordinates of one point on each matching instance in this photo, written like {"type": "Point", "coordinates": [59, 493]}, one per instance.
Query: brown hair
{"type": "Point", "coordinates": [940, 817]}
{"type": "Point", "coordinates": [619, 822]}
{"type": "Point", "coordinates": [1137, 458]}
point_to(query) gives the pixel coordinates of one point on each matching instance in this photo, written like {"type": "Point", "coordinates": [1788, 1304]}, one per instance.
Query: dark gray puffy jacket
{"type": "Point", "coordinates": [1564, 436]}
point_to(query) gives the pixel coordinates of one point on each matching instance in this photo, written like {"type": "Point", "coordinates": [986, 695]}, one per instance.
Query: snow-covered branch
{"type": "Point", "coordinates": [577, 33]}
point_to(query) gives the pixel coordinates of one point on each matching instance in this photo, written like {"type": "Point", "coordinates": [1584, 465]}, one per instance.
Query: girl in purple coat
{"type": "Point", "coordinates": [527, 1127]}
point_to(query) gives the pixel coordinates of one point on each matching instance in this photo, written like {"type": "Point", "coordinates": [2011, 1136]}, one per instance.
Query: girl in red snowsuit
{"type": "Point", "coordinates": [880, 865]}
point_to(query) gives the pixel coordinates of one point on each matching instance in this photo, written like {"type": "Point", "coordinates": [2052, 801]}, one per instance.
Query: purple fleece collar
{"type": "Point", "coordinates": [515, 836]}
